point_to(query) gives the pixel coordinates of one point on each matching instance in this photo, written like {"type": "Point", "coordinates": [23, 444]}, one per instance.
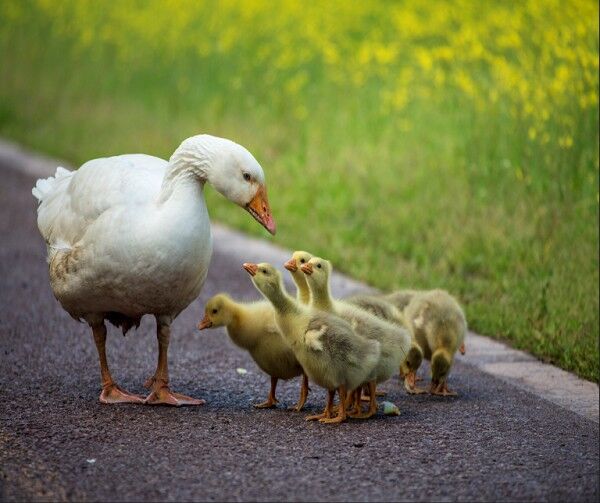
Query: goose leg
{"type": "Point", "coordinates": [356, 401]}
{"type": "Point", "coordinates": [410, 384]}
{"type": "Point", "coordinates": [328, 412]}
{"type": "Point", "coordinates": [372, 404]}
{"type": "Point", "coordinates": [304, 389]}
{"type": "Point", "coordinates": [271, 400]}
{"type": "Point", "coordinates": [111, 393]}
{"type": "Point", "coordinates": [159, 384]}
{"type": "Point", "coordinates": [341, 415]}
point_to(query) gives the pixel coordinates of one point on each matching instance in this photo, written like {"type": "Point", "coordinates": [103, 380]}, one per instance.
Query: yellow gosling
{"type": "Point", "coordinates": [393, 339]}
{"type": "Point", "coordinates": [439, 326]}
{"type": "Point", "coordinates": [299, 258]}
{"type": "Point", "coordinates": [251, 326]}
{"type": "Point", "coordinates": [331, 353]}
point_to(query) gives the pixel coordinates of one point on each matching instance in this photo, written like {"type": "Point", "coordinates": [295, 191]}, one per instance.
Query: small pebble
{"type": "Point", "coordinates": [390, 409]}
{"type": "Point", "coordinates": [91, 461]}
{"type": "Point", "coordinates": [241, 371]}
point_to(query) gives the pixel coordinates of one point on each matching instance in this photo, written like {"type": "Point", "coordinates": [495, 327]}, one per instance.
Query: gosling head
{"type": "Point", "coordinates": [413, 360]}
{"type": "Point", "coordinates": [217, 312]}
{"type": "Point", "coordinates": [317, 271]}
{"type": "Point", "coordinates": [265, 277]}
{"type": "Point", "coordinates": [299, 258]}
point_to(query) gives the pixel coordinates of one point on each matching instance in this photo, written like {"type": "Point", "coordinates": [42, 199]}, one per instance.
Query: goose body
{"type": "Point", "coordinates": [115, 247]}
{"type": "Point", "coordinates": [130, 235]}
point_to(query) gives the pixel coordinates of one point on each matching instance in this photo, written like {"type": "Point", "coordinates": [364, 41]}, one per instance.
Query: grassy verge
{"type": "Point", "coordinates": [402, 177]}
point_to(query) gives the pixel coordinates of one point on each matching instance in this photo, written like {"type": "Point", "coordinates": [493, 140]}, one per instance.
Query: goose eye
{"type": "Point", "coordinates": [264, 271]}
{"type": "Point", "coordinates": [319, 266]}
{"type": "Point", "coordinates": [247, 177]}
{"type": "Point", "coordinates": [214, 311]}
{"type": "Point", "coordinates": [302, 261]}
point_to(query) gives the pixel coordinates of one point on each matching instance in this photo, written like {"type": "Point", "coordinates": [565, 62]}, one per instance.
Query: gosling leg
{"type": "Point", "coordinates": [327, 413]}
{"type": "Point", "coordinates": [271, 400]}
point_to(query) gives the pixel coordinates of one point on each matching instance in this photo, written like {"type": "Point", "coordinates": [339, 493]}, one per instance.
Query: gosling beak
{"type": "Point", "coordinates": [205, 323]}
{"type": "Point", "coordinates": [290, 265]}
{"type": "Point", "coordinates": [259, 208]}
{"type": "Point", "coordinates": [307, 269]}
{"type": "Point", "coordinates": [251, 268]}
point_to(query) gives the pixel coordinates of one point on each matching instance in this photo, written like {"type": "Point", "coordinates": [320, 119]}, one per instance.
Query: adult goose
{"type": "Point", "coordinates": [130, 235]}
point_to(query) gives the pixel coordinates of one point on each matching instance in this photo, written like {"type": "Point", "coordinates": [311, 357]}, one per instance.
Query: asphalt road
{"type": "Point", "coordinates": [494, 442]}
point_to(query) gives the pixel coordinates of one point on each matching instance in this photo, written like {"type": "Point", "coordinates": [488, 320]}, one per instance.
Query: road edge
{"type": "Point", "coordinates": [490, 356]}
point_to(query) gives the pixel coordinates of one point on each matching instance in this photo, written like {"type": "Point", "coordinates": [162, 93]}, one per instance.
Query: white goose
{"type": "Point", "coordinates": [130, 235]}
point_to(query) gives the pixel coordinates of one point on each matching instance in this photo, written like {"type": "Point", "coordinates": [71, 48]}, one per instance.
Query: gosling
{"type": "Point", "coordinates": [393, 339]}
{"type": "Point", "coordinates": [331, 353]}
{"type": "Point", "coordinates": [251, 326]}
{"type": "Point", "coordinates": [439, 325]}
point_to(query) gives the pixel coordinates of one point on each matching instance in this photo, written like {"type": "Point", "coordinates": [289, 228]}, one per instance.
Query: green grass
{"type": "Point", "coordinates": [460, 200]}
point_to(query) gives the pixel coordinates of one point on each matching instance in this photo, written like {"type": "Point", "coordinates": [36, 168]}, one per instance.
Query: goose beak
{"type": "Point", "coordinates": [307, 269]}
{"type": "Point", "coordinates": [259, 208]}
{"type": "Point", "coordinates": [251, 268]}
{"type": "Point", "coordinates": [205, 323]}
{"type": "Point", "coordinates": [290, 265]}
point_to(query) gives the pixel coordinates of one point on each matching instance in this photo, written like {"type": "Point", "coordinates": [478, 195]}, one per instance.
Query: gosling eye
{"type": "Point", "coordinates": [319, 266]}
{"type": "Point", "coordinates": [264, 271]}
{"type": "Point", "coordinates": [214, 311]}
{"type": "Point", "coordinates": [302, 261]}
{"type": "Point", "coordinates": [247, 177]}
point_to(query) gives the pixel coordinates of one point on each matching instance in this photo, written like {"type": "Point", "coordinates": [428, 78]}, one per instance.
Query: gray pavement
{"type": "Point", "coordinates": [494, 442]}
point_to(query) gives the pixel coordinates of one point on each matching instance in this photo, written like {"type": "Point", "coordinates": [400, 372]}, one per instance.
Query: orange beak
{"type": "Point", "coordinates": [251, 268]}
{"type": "Point", "coordinates": [205, 323]}
{"type": "Point", "coordinates": [290, 265]}
{"type": "Point", "coordinates": [307, 269]}
{"type": "Point", "coordinates": [259, 208]}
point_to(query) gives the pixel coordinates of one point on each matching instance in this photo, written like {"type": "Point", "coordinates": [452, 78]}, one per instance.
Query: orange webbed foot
{"type": "Point", "coordinates": [270, 403]}
{"type": "Point", "coordinates": [410, 384]}
{"type": "Point", "coordinates": [112, 394]}
{"type": "Point", "coordinates": [332, 420]}
{"type": "Point", "coordinates": [441, 389]}
{"type": "Point", "coordinates": [162, 395]}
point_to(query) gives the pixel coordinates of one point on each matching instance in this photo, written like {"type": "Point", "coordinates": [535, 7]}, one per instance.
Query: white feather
{"type": "Point", "coordinates": [131, 233]}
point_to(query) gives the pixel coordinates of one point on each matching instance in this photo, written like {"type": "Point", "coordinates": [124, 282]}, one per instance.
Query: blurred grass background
{"type": "Point", "coordinates": [416, 144]}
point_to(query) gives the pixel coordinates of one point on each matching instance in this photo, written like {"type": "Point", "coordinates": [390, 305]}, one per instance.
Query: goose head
{"type": "Point", "coordinates": [231, 169]}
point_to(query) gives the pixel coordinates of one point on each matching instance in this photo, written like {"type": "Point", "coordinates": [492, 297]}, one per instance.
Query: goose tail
{"type": "Point", "coordinates": [45, 186]}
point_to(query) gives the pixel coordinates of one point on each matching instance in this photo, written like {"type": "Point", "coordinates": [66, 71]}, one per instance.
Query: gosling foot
{"type": "Point", "coordinates": [333, 420]}
{"type": "Point", "coordinates": [318, 417]}
{"type": "Point", "coordinates": [410, 384]}
{"type": "Point", "coordinates": [270, 403]}
{"type": "Point", "coordinates": [441, 389]}
{"type": "Point", "coordinates": [112, 393]}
